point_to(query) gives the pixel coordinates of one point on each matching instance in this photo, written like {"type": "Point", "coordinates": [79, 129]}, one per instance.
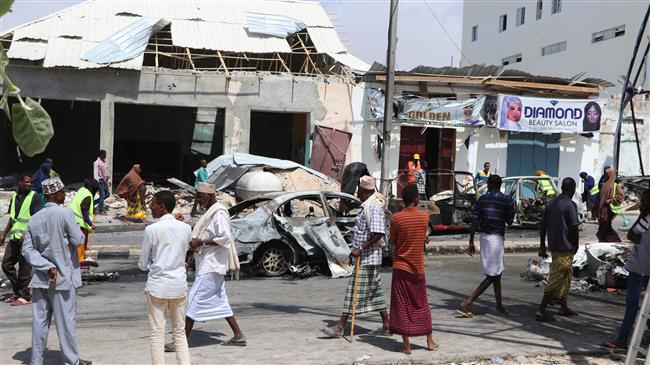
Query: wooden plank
{"type": "Point", "coordinates": [223, 63]}
{"type": "Point", "coordinates": [189, 56]}
{"type": "Point", "coordinates": [488, 81]}
{"type": "Point", "coordinates": [283, 64]}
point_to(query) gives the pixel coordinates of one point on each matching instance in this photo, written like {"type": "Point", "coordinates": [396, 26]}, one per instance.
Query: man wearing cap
{"type": "Point", "coordinates": [412, 168]}
{"type": "Point", "coordinates": [212, 240]}
{"type": "Point", "coordinates": [367, 242]}
{"type": "Point", "coordinates": [50, 246]}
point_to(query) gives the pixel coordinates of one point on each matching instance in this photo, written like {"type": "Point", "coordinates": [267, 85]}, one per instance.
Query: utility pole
{"type": "Point", "coordinates": [389, 91]}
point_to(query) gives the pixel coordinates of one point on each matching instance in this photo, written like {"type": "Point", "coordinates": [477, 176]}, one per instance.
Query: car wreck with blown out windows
{"type": "Point", "coordinates": [278, 230]}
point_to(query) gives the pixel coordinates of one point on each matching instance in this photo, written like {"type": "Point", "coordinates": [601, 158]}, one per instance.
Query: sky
{"type": "Point", "coordinates": [362, 26]}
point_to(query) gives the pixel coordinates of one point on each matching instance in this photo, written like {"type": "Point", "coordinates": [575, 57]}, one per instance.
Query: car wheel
{"type": "Point", "coordinates": [274, 260]}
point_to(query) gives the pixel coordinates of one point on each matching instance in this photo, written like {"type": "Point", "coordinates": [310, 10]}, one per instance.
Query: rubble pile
{"type": "Point", "coordinates": [595, 266]}
{"type": "Point", "coordinates": [300, 179]}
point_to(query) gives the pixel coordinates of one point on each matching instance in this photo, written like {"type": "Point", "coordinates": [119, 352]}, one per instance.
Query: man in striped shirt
{"type": "Point", "coordinates": [410, 315]}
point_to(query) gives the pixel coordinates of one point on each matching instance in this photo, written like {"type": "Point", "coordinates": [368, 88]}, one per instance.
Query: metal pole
{"type": "Point", "coordinates": [388, 105]}
{"type": "Point", "coordinates": [625, 93]}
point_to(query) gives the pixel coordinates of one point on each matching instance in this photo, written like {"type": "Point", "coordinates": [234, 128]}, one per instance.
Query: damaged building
{"type": "Point", "coordinates": [167, 84]}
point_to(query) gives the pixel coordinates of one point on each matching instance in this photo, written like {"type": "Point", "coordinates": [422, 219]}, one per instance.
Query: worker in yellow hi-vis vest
{"type": "Point", "coordinates": [83, 206]}
{"type": "Point", "coordinates": [610, 197]}
{"type": "Point", "coordinates": [548, 191]}
{"type": "Point", "coordinates": [24, 203]}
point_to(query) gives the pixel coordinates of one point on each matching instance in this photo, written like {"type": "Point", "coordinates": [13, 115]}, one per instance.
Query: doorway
{"type": "Point", "coordinates": [157, 137]}
{"type": "Point", "coordinates": [436, 146]}
{"type": "Point", "coordinates": [279, 135]}
{"type": "Point", "coordinates": [528, 152]}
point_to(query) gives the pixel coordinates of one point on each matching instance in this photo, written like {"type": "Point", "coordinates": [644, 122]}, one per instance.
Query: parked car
{"type": "Point", "coordinates": [276, 230]}
{"type": "Point", "coordinates": [530, 198]}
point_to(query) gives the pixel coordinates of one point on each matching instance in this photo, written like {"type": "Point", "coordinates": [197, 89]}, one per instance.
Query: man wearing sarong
{"type": "Point", "coordinates": [492, 212]}
{"type": "Point", "coordinates": [410, 315]}
{"type": "Point", "coordinates": [561, 224]}
{"type": "Point", "coordinates": [212, 239]}
{"type": "Point", "coordinates": [50, 246]}
{"type": "Point", "coordinates": [367, 243]}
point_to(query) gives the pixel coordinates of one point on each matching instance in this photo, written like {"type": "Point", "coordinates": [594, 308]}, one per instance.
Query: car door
{"type": "Point", "coordinates": [344, 210]}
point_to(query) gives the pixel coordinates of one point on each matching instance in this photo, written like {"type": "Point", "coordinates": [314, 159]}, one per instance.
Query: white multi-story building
{"type": "Point", "coordinates": [554, 37]}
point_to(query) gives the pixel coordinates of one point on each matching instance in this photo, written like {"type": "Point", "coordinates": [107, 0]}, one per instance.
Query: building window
{"type": "Point", "coordinates": [521, 16]}
{"type": "Point", "coordinates": [512, 59]}
{"type": "Point", "coordinates": [606, 34]}
{"type": "Point", "coordinates": [557, 6]}
{"type": "Point", "coordinates": [538, 16]}
{"type": "Point", "coordinates": [503, 22]}
{"type": "Point", "coordinates": [554, 48]}
{"type": "Point", "coordinates": [475, 33]}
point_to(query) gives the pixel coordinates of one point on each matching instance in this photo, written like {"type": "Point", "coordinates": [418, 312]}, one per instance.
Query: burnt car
{"type": "Point", "coordinates": [277, 230]}
{"type": "Point", "coordinates": [530, 198]}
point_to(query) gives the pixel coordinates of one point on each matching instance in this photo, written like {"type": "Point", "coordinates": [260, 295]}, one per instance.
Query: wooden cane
{"type": "Point", "coordinates": [354, 297]}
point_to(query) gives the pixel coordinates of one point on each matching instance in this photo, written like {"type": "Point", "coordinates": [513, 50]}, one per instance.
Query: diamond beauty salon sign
{"type": "Point", "coordinates": [524, 114]}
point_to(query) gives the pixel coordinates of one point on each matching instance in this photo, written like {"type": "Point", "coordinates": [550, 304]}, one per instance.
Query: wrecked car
{"type": "Point", "coordinates": [530, 198]}
{"type": "Point", "coordinates": [278, 230]}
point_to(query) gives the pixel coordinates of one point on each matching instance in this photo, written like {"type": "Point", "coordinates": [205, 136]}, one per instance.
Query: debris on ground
{"type": "Point", "coordinates": [299, 179]}
{"type": "Point", "coordinates": [91, 276]}
{"type": "Point", "coordinates": [303, 271]}
{"type": "Point", "coordinates": [595, 266]}
{"type": "Point", "coordinates": [542, 360]}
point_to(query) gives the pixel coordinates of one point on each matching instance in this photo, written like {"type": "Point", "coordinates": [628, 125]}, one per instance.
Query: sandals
{"type": "Point", "coordinates": [465, 313]}
{"type": "Point", "coordinates": [12, 299]}
{"type": "Point", "coordinates": [234, 342]}
{"type": "Point", "coordinates": [20, 301]}
{"type": "Point", "coordinates": [331, 333]}
{"type": "Point", "coordinates": [613, 345]}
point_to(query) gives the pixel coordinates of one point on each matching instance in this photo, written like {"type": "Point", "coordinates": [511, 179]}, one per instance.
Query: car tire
{"type": "Point", "coordinates": [274, 259]}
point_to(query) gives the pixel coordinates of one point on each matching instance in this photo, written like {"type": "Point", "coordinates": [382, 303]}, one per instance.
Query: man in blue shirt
{"type": "Point", "coordinates": [492, 212]}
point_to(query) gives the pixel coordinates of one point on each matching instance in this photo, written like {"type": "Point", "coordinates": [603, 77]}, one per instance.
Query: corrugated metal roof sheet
{"type": "Point", "coordinates": [351, 61]}
{"type": "Point", "coordinates": [274, 25]}
{"type": "Point", "coordinates": [32, 51]}
{"type": "Point", "coordinates": [129, 42]}
{"type": "Point", "coordinates": [223, 37]}
{"type": "Point", "coordinates": [63, 52]}
{"type": "Point", "coordinates": [326, 40]}
{"type": "Point", "coordinates": [215, 25]}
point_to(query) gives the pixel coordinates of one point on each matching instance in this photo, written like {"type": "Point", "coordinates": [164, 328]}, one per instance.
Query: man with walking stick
{"type": "Point", "coordinates": [367, 246]}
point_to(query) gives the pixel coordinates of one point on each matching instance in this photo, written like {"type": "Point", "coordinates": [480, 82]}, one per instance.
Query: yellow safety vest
{"type": "Point", "coordinates": [19, 224]}
{"type": "Point", "coordinates": [616, 208]}
{"type": "Point", "coordinates": [75, 206]}
{"type": "Point", "coordinates": [547, 187]}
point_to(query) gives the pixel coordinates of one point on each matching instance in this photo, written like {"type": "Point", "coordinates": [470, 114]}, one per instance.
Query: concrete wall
{"type": "Point", "coordinates": [575, 24]}
{"type": "Point", "coordinates": [326, 101]}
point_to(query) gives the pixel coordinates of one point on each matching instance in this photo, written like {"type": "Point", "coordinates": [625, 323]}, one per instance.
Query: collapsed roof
{"type": "Point", "coordinates": [277, 36]}
{"type": "Point", "coordinates": [494, 78]}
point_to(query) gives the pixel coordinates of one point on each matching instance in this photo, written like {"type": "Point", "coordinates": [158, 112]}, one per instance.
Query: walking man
{"type": "Point", "coordinates": [367, 243]}
{"type": "Point", "coordinates": [410, 315]}
{"type": "Point", "coordinates": [561, 224]}
{"type": "Point", "coordinates": [50, 247]}
{"type": "Point", "coordinates": [24, 203]}
{"type": "Point", "coordinates": [492, 212]}
{"type": "Point", "coordinates": [82, 206]}
{"type": "Point", "coordinates": [163, 253]}
{"type": "Point", "coordinates": [100, 174]}
{"type": "Point", "coordinates": [212, 241]}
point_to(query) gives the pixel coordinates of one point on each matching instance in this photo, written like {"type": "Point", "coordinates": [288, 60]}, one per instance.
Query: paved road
{"type": "Point", "coordinates": [282, 317]}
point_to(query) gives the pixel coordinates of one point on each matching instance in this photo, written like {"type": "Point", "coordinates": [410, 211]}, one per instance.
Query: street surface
{"type": "Point", "coordinates": [281, 318]}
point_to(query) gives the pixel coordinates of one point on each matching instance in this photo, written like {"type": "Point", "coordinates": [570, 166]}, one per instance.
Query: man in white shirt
{"type": "Point", "coordinates": [211, 240]}
{"type": "Point", "coordinates": [100, 174]}
{"type": "Point", "coordinates": [163, 254]}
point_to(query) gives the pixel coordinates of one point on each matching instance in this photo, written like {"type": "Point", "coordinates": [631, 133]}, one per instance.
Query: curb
{"type": "Point", "coordinates": [109, 252]}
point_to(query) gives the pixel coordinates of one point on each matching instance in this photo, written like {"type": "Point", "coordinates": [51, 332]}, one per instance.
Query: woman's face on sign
{"type": "Point", "coordinates": [593, 116]}
{"type": "Point", "coordinates": [514, 112]}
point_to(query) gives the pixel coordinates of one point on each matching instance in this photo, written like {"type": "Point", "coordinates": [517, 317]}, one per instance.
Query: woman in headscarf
{"type": "Point", "coordinates": [609, 200]}
{"type": "Point", "coordinates": [43, 173]}
{"type": "Point", "coordinates": [132, 188]}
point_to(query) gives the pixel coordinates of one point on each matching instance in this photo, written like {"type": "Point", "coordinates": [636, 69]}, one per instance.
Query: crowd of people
{"type": "Point", "coordinates": [48, 243]}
